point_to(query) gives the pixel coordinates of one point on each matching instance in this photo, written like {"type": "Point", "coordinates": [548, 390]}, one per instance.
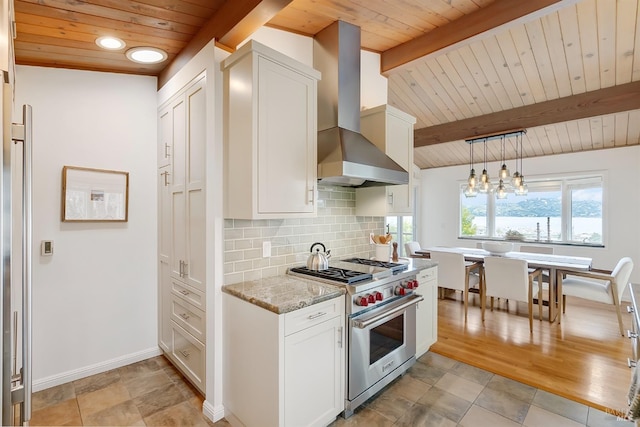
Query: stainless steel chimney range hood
{"type": "Point", "coordinates": [345, 156]}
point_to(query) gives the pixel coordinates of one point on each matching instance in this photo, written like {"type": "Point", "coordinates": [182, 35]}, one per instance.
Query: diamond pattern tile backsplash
{"type": "Point", "coordinates": [336, 226]}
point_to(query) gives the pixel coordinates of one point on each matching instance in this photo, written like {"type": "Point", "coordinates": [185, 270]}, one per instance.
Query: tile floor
{"type": "Point", "coordinates": [151, 392]}
{"type": "Point", "coordinates": [436, 391]}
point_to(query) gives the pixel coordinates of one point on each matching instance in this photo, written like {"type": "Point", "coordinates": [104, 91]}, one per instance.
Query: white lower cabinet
{"type": "Point", "coordinates": [283, 370]}
{"type": "Point", "coordinates": [188, 354]}
{"type": "Point", "coordinates": [427, 310]}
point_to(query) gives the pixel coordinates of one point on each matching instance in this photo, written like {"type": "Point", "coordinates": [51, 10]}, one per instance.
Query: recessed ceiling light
{"type": "Point", "coordinates": [146, 55]}
{"type": "Point", "coordinates": [111, 43]}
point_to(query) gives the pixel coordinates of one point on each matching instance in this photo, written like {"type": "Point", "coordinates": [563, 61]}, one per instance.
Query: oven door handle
{"type": "Point", "coordinates": [362, 324]}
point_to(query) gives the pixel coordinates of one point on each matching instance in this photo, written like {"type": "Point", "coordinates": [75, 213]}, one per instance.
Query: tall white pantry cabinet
{"type": "Point", "coordinates": [181, 222]}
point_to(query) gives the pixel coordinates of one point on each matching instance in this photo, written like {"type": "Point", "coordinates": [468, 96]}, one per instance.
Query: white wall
{"type": "Point", "coordinates": [94, 300]}
{"type": "Point", "coordinates": [440, 202]}
{"type": "Point", "coordinates": [373, 85]}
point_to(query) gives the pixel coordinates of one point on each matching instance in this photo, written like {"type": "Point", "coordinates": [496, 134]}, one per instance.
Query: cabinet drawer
{"type": "Point", "coordinates": [188, 353]}
{"type": "Point", "coordinates": [427, 274]}
{"type": "Point", "coordinates": [189, 294]}
{"type": "Point", "coordinates": [313, 315]}
{"type": "Point", "coordinates": [191, 318]}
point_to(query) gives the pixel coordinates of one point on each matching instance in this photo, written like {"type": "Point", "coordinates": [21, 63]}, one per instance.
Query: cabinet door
{"type": "Point", "coordinates": [177, 184]}
{"type": "Point", "coordinates": [194, 225]}
{"type": "Point", "coordinates": [400, 133]}
{"type": "Point", "coordinates": [164, 253]}
{"type": "Point", "coordinates": [314, 372]}
{"type": "Point", "coordinates": [187, 187]}
{"type": "Point", "coordinates": [427, 311]}
{"type": "Point", "coordinates": [286, 140]}
{"type": "Point", "coordinates": [391, 130]}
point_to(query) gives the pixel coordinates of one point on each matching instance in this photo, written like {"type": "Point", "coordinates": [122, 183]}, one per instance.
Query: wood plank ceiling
{"type": "Point", "coordinates": [463, 68]}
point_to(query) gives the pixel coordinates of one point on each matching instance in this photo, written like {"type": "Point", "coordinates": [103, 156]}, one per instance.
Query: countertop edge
{"type": "Point", "coordinates": [299, 298]}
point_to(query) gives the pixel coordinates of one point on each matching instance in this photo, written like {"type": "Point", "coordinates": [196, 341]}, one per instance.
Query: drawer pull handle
{"type": "Point", "coordinates": [317, 315]}
{"type": "Point", "coordinates": [183, 292]}
{"type": "Point", "coordinates": [631, 334]}
{"type": "Point", "coordinates": [185, 353]}
{"type": "Point", "coordinates": [630, 309]}
{"type": "Point", "coordinates": [185, 316]}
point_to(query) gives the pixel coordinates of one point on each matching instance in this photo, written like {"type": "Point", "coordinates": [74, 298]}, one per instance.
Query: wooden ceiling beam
{"type": "Point", "coordinates": [611, 100]}
{"type": "Point", "coordinates": [230, 25]}
{"type": "Point", "coordinates": [485, 21]}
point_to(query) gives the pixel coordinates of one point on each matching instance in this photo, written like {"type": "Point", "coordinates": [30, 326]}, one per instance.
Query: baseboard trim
{"type": "Point", "coordinates": [97, 368]}
{"type": "Point", "coordinates": [212, 412]}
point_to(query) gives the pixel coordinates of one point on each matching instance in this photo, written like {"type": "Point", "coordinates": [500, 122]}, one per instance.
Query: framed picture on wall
{"type": "Point", "coordinates": [94, 195]}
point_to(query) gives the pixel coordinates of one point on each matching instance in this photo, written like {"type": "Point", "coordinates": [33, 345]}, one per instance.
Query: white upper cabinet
{"type": "Point", "coordinates": [270, 135]}
{"type": "Point", "coordinates": [391, 130]}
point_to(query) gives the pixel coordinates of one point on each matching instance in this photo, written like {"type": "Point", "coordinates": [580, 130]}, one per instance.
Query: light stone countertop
{"type": "Point", "coordinates": [283, 294]}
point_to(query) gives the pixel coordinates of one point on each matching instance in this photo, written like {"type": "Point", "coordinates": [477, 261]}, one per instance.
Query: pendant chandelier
{"type": "Point", "coordinates": [506, 182]}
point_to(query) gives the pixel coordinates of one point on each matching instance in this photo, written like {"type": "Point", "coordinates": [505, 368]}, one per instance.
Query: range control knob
{"type": "Point", "coordinates": [400, 290]}
{"type": "Point", "coordinates": [409, 284]}
{"type": "Point", "coordinates": [415, 284]}
{"type": "Point", "coordinates": [371, 298]}
{"type": "Point", "coordinates": [362, 301]}
{"type": "Point", "coordinates": [378, 296]}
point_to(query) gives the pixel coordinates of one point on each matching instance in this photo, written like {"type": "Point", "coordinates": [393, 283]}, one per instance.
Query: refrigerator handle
{"type": "Point", "coordinates": [23, 133]}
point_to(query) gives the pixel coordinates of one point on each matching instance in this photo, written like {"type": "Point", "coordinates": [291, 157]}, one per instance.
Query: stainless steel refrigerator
{"type": "Point", "coordinates": [15, 240]}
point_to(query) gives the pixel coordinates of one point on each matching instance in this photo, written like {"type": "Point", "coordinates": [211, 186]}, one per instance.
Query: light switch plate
{"type": "Point", "coordinates": [46, 248]}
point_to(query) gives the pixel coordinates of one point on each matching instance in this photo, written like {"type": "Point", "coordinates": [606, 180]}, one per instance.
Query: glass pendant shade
{"type": "Point", "coordinates": [485, 187]}
{"type": "Point", "coordinates": [522, 189]}
{"type": "Point", "coordinates": [471, 181]}
{"type": "Point", "coordinates": [517, 179]}
{"type": "Point", "coordinates": [485, 182]}
{"type": "Point", "coordinates": [504, 172]}
{"type": "Point", "coordinates": [501, 191]}
{"type": "Point", "coordinates": [470, 191]}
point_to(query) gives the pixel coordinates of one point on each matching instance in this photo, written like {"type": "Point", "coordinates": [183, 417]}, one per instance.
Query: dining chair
{"type": "Point", "coordinates": [539, 250]}
{"type": "Point", "coordinates": [606, 286]}
{"type": "Point", "coordinates": [410, 249]}
{"type": "Point", "coordinates": [457, 274]}
{"type": "Point", "coordinates": [510, 278]}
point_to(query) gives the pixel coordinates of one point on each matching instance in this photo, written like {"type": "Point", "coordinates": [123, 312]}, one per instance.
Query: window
{"type": "Point", "coordinates": [408, 228]}
{"type": "Point", "coordinates": [403, 234]}
{"type": "Point", "coordinates": [568, 210]}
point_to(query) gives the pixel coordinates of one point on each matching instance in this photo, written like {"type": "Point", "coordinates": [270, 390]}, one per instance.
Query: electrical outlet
{"type": "Point", "coordinates": [266, 249]}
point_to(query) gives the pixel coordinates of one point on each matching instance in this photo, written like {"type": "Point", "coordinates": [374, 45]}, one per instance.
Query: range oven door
{"type": "Point", "coordinates": [380, 341]}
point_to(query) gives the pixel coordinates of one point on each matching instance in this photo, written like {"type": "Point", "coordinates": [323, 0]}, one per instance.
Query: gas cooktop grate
{"type": "Point", "coordinates": [375, 263]}
{"type": "Point", "coordinates": [335, 274]}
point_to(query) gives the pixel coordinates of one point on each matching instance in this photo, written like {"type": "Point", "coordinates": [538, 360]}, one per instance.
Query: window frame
{"type": "Point", "coordinates": [565, 184]}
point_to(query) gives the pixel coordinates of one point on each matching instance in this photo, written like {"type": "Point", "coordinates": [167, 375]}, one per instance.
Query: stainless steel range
{"type": "Point", "coordinates": [381, 322]}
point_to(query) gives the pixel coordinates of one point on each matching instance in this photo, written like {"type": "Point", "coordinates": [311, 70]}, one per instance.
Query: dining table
{"type": "Point", "coordinates": [549, 262]}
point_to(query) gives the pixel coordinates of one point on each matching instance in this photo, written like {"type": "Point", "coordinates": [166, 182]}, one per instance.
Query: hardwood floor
{"type": "Point", "coordinates": [583, 359]}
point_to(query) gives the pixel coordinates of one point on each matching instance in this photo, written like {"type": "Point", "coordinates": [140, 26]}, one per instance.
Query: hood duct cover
{"type": "Point", "coordinates": [345, 156]}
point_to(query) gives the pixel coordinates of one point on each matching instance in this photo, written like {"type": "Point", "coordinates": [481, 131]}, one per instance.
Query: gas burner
{"type": "Point", "coordinates": [375, 263]}
{"type": "Point", "coordinates": [341, 275]}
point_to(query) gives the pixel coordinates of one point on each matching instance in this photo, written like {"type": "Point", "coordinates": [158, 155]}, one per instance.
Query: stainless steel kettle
{"type": "Point", "coordinates": [318, 261]}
